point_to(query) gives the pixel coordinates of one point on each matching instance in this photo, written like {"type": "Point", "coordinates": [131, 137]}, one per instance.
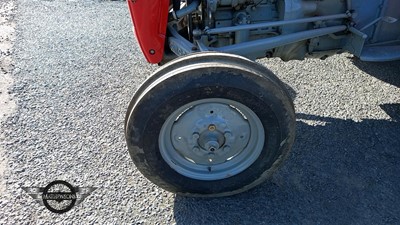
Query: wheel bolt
{"type": "Point", "coordinates": [227, 134]}
{"type": "Point", "coordinates": [227, 148]}
{"type": "Point", "coordinates": [196, 135]}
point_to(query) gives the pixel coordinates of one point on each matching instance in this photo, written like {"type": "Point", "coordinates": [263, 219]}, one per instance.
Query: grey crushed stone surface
{"type": "Point", "coordinates": [76, 66]}
{"type": "Point", "coordinates": [7, 105]}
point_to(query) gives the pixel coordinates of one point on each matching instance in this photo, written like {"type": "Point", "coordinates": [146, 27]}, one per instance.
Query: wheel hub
{"type": "Point", "coordinates": [211, 140]}
{"type": "Point", "coordinates": [213, 136]}
{"type": "Point", "coordinates": [204, 129]}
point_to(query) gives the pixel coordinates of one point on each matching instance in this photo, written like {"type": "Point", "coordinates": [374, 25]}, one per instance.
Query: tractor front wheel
{"type": "Point", "coordinates": [210, 124]}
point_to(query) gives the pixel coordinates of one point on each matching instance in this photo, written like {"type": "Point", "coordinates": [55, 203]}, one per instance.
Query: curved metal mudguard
{"type": "Point", "coordinates": [150, 19]}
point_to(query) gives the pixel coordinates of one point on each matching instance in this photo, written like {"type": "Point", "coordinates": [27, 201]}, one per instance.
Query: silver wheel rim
{"type": "Point", "coordinates": [211, 139]}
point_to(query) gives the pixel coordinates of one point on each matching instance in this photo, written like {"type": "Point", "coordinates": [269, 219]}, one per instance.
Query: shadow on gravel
{"type": "Point", "coordinates": [339, 172]}
{"type": "Point", "coordinates": [388, 72]}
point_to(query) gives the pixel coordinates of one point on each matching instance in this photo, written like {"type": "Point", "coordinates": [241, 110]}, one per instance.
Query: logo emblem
{"type": "Point", "coordinates": [59, 196]}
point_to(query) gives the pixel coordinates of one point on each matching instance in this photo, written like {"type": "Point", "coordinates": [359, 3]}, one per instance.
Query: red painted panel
{"type": "Point", "coordinates": [150, 22]}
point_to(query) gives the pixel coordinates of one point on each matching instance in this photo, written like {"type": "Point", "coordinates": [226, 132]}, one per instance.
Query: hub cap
{"type": "Point", "coordinates": [211, 139]}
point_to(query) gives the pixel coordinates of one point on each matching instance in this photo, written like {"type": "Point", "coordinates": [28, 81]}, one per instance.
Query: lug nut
{"type": "Point", "coordinates": [227, 148]}
{"type": "Point", "coordinates": [196, 135]}
{"type": "Point", "coordinates": [227, 134]}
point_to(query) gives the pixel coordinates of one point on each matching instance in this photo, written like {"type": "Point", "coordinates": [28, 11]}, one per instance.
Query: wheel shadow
{"type": "Point", "coordinates": [339, 172]}
{"type": "Point", "coordinates": [388, 72]}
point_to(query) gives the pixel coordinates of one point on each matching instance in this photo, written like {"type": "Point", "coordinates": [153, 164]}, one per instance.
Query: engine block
{"type": "Point", "coordinates": [227, 13]}
{"type": "Point", "coordinates": [288, 29]}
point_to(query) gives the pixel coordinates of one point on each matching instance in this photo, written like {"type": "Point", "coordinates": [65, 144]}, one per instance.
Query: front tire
{"type": "Point", "coordinates": [210, 124]}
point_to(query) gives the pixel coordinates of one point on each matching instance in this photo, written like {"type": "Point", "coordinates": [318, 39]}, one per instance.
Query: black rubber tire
{"type": "Point", "coordinates": [200, 76]}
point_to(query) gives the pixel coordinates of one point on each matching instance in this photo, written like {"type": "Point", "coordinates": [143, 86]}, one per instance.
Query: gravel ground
{"type": "Point", "coordinates": [7, 105]}
{"type": "Point", "coordinates": [76, 65]}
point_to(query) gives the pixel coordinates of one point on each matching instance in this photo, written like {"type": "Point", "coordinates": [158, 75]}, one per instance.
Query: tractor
{"type": "Point", "coordinates": [211, 121]}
